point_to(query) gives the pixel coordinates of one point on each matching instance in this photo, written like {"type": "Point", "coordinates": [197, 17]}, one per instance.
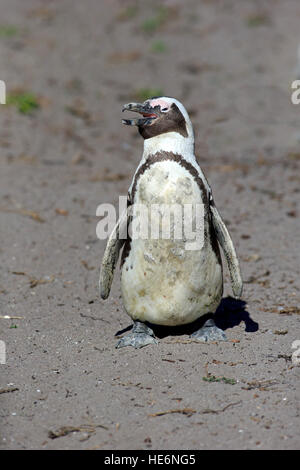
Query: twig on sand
{"type": "Point", "coordinates": [8, 390]}
{"type": "Point", "coordinates": [262, 385]}
{"type": "Point", "coordinates": [185, 341]}
{"type": "Point", "coordinates": [209, 410]}
{"type": "Point", "coordinates": [189, 411]}
{"type": "Point", "coordinates": [32, 214]}
{"type": "Point", "coordinates": [10, 317]}
{"type": "Point", "coordinates": [65, 430]}
{"type": "Point", "coordinates": [33, 282]}
{"type": "Point", "coordinates": [184, 411]}
{"type": "Point", "coordinates": [190, 340]}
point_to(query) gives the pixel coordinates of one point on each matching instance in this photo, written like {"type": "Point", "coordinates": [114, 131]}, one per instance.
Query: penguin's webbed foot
{"type": "Point", "coordinates": [140, 336]}
{"type": "Point", "coordinates": [209, 332]}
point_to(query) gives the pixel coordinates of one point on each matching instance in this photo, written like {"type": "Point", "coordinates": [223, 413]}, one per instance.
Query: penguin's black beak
{"type": "Point", "coordinates": [148, 114]}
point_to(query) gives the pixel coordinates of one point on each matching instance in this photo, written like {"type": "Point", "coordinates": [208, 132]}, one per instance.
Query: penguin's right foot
{"type": "Point", "coordinates": [209, 332]}
{"type": "Point", "coordinates": [140, 336]}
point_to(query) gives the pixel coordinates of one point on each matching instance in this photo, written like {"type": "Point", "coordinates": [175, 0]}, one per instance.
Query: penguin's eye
{"type": "Point", "coordinates": [164, 110]}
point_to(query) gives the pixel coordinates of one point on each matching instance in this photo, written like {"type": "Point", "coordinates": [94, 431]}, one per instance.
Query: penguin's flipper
{"type": "Point", "coordinates": [229, 251]}
{"type": "Point", "coordinates": [111, 255]}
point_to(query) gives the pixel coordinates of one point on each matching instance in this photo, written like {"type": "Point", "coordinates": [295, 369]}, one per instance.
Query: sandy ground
{"type": "Point", "coordinates": [231, 63]}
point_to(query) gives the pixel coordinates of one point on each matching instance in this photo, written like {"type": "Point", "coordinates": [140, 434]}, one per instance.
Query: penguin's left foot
{"type": "Point", "coordinates": [209, 332]}
{"type": "Point", "coordinates": [140, 336]}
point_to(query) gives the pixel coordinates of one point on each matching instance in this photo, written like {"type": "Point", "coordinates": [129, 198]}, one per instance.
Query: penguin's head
{"type": "Point", "coordinates": [161, 115]}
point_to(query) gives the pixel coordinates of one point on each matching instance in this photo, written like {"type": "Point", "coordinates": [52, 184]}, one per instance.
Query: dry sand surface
{"type": "Point", "coordinates": [231, 63]}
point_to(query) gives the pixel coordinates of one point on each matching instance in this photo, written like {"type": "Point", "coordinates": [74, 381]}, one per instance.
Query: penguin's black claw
{"type": "Point", "coordinates": [209, 332]}
{"type": "Point", "coordinates": [140, 336]}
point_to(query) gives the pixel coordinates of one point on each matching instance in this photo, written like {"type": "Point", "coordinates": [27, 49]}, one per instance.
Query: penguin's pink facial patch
{"type": "Point", "coordinates": [158, 102]}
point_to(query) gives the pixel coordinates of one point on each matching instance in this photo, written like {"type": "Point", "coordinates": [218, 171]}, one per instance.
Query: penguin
{"type": "Point", "coordinates": [163, 282]}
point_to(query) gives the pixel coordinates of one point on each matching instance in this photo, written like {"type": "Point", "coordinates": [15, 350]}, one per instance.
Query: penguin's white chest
{"type": "Point", "coordinates": [162, 281]}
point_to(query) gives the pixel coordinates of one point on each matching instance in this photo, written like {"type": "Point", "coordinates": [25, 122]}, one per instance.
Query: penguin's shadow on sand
{"type": "Point", "coordinates": [230, 313]}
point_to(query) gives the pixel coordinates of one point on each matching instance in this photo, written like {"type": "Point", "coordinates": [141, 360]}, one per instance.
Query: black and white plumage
{"type": "Point", "coordinates": [162, 282]}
